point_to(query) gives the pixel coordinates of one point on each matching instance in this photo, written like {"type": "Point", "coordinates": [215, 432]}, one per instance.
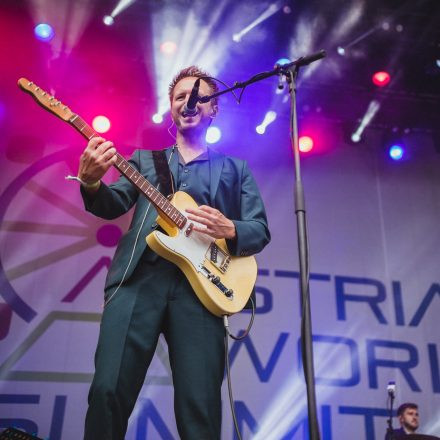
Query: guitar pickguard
{"type": "Point", "coordinates": [194, 247]}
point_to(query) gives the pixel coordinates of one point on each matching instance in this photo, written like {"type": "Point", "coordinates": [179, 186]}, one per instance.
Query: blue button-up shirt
{"type": "Point", "coordinates": [194, 178]}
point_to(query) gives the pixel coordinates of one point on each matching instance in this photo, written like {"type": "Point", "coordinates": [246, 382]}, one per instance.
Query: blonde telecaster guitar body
{"type": "Point", "coordinates": [223, 283]}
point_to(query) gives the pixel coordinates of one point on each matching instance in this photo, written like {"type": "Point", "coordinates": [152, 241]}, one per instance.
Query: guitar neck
{"type": "Point", "coordinates": [158, 200]}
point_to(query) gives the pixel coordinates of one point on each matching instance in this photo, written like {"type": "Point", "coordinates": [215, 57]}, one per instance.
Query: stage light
{"type": "Point", "coordinates": [355, 137]}
{"type": "Point", "coordinates": [381, 79]}
{"type": "Point", "coordinates": [101, 124]}
{"type": "Point", "coordinates": [272, 9]}
{"type": "Point", "coordinates": [108, 20]}
{"type": "Point", "coordinates": [305, 144]}
{"type": "Point", "coordinates": [213, 135]}
{"type": "Point", "coordinates": [157, 118]}
{"type": "Point", "coordinates": [44, 32]}
{"type": "Point", "coordinates": [195, 45]}
{"type": "Point", "coordinates": [236, 38]}
{"type": "Point", "coordinates": [437, 63]}
{"type": "Point", "coordinates": [269, 117]}
{"type": "Point", "coordinates": [396, 151]}
{"type": "Point", "coordinates": [282, 61]}
{"type": "Point", "coordinates": [372, 109]}
{"type": "Point", "coordinates": [168, 47]}
{"type": "Point", "coordinates": [123, 4]}
{"type": "Point", "coordinates": [260, 129]}
{"type": "Point", "coordinates": [341, 51]}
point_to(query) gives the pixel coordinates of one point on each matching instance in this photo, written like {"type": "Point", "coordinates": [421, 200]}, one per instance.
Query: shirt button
{"type": "Point", "coordinates": [185, 170]}
{"type": "Point", "coordinates": [183, 185]}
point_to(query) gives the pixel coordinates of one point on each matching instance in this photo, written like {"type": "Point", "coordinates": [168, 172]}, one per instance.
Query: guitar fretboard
{"type": "Point", "coordinates": [160, 202]}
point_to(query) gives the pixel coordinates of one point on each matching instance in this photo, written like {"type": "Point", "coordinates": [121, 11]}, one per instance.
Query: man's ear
{"type": "Point", "coordinates": [214, 111]}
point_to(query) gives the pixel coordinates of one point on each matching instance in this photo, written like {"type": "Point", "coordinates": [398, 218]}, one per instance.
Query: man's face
{"type": "Point", "coordinates": [410, 419]}
{"type": "Point", "coordinates": [205, 112]}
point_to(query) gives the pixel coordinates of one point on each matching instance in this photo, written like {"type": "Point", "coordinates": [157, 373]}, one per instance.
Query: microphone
{"type": "Point", "coordinates": [280, 82]}
{"type": "Point", "coordinates": [391, 388]}
{"type": "Point", "coordinates": [189, 109]}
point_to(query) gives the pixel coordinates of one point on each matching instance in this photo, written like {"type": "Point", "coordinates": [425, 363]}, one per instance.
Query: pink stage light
{"type": "Point", "coordinates": [101, 124]}
{"type": "Point", "coordinates": [305, 144]}
{"type": "Point", "coordinates": [381, 79]}
{"type": "Point", "coordinates": [168, 47]}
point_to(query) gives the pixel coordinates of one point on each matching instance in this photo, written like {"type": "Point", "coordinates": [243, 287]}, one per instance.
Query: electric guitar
{"type": "Point", "coordinates": [222, 282]}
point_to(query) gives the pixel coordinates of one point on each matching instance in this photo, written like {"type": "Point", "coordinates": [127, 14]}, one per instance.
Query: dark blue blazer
{"type": "Point", "coordinates": [233, 192]}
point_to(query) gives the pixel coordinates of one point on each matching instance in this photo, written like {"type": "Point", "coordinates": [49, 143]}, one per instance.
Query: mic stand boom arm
{"type": "Point", "coordinates": [277, 70]}
{"type": "Point", "coordinates": [291, 72]}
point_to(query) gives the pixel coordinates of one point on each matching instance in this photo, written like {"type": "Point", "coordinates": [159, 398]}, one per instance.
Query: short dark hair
{"type": "Point", "coordinates": [408, 405]}
{"type": "Point", "coordinates": [197, 73]}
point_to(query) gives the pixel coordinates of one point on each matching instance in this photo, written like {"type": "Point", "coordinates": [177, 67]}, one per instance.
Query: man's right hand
{"type": "Point", "coordinates": [96, 159]}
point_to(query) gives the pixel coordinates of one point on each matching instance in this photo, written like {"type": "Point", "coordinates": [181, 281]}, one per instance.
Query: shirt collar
{"type": "Point", "coordinates": [201, 157]}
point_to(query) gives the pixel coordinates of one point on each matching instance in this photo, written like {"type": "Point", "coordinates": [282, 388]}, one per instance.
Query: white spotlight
{"type": "Point", "coordinates": [157, 118]}
{"type": "Point", "coordinates": [270, 117]}
{"type": "Point", "coordinates": [355, 137]}
{"type": "Point", "coordinates": [108, 20]}
{"type": "Point", "coordinates": [372, 109]}
{"type": "Point", "coordinates": [341, 51]}
{"type": "Point", "coordinates": [272, 9]}
{"type": "Point", "coordinates": [260, 129]}
{"type": "Point", "coordinates": [213, 135]}
{"type": "Point", "coordinates": [123, 4]}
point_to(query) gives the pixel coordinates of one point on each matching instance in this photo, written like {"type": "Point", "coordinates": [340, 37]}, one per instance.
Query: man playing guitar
{"type": "Point", "coordinates": [145, 294]}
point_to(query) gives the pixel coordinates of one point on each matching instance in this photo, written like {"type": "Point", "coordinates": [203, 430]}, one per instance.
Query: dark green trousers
{"type": "Point", "coordinates": [157, 299]}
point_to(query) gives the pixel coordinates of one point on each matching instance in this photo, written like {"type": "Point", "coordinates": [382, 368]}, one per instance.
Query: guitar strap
{"type": "Point", "coordinates": [163, 172]}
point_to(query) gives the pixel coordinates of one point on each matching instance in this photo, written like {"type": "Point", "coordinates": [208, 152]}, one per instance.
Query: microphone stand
{"type": "Point", "coordinates": [390, 430]}
{"type": "Point", "coordinates": [290, 71]}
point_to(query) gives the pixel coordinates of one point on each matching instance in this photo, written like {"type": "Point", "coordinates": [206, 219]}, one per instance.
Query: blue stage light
{"type": "Point", "coordinates": [396, 152]}
{"type": "Point", "coordinates": [282, 61]}
{"type": "Point", "coordinates": [44, 32]}
{"type": "Point", "coordinates": [213, 135]}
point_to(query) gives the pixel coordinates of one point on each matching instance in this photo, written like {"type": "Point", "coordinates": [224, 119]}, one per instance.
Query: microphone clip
{"type": "Point", "coordinates": [391, 388]}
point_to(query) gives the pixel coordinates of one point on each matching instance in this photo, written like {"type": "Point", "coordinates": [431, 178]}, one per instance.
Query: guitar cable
{"type": "Point", "coordinates": [136, 240]}
{"type": "Point", "coordinates": [239, 337]}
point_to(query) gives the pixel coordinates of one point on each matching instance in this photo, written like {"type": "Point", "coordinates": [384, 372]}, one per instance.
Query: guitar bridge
{"type": "Point", "coordinates": [219, 258]}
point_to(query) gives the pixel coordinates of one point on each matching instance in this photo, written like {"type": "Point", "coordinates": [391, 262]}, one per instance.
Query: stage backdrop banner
{"type": "Point", "coordinates": [375, 299]}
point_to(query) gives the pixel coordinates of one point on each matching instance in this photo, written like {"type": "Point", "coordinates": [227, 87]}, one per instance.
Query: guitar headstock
{"type": "Point", "coordinates": [45, 99]}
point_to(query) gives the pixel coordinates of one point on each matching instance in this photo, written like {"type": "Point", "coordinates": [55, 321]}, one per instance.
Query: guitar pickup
{"type": "Point", "coordinates": [219, 258]}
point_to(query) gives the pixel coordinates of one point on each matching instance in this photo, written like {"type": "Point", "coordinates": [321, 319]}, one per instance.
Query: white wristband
{"type": "Point", "coordinates": [84, 184]}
